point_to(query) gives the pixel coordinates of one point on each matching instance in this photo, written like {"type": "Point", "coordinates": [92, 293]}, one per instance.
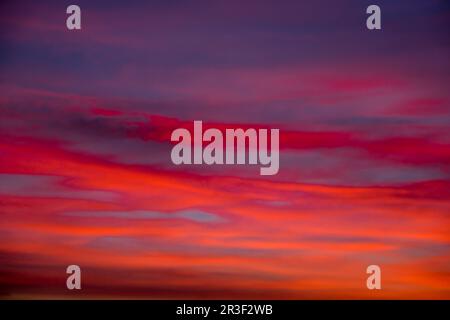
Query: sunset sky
{"type": "Point", "coordinates": [86, 176]}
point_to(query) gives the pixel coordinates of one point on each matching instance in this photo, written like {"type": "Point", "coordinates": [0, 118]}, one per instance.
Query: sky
{"type": "Point", "coordinates": [86, 176]}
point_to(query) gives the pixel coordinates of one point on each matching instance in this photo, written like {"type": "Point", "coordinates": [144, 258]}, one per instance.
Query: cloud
{"type": "Point", "coordinates": [85, 170]}
{"type": "Point", "coordinates": [197, 216]}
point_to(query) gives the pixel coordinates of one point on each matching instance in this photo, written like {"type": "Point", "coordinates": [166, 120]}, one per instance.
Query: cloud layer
{"type": "Point", "coordinates": [85, 170]}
